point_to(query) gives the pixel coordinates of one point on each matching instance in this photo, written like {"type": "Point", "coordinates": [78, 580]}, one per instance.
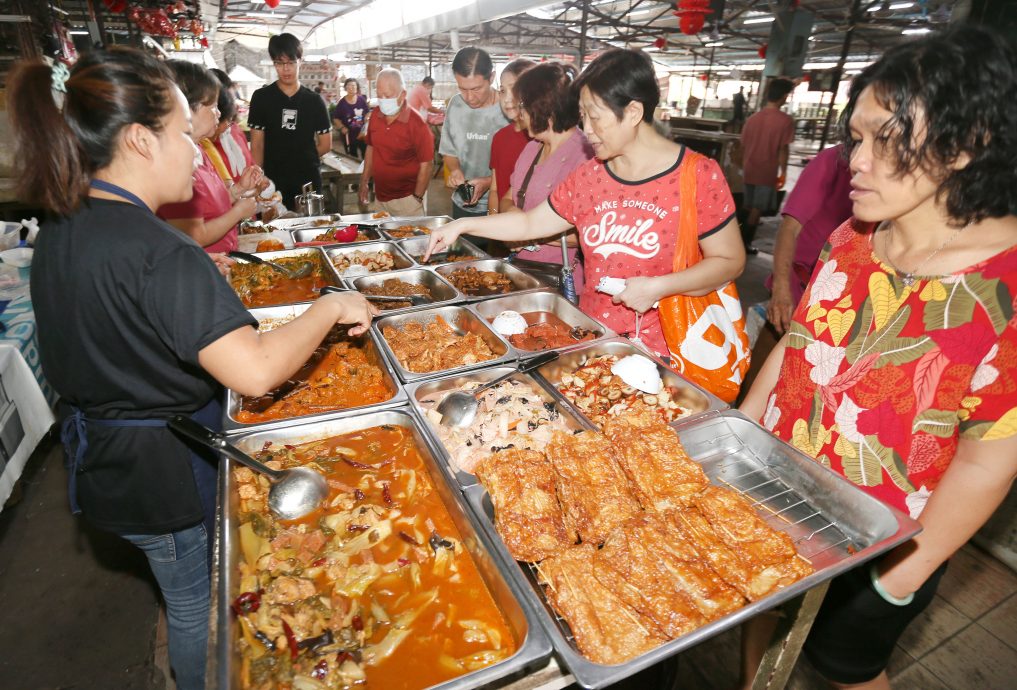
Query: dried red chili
{"type": "Point", "coordinates": [248, 602]}
{"type": "Point", "coordinates": [291, 640]}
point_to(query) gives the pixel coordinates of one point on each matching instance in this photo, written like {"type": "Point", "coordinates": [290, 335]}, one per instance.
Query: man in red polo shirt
{"type": "Point", "coordinates": [400, 150]}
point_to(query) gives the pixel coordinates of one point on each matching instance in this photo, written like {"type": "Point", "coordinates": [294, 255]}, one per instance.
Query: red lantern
{"type": "Point", "coordinates": [692, 15]}
{"type": "Point", "coordinates": [115, 6]}
{"type": "Point", "coordinates": [272, 3]}
{"type": "Point", "coordinates": [806, 78]}
{"type": "Point", "coordinates": [704, 77]}
{"type": "Point", "coordinates": [660, 43]}
{"type": "Point", "coordinates": [762, 50]}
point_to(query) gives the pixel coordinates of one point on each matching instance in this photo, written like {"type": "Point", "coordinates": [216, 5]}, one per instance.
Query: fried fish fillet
{"type": "Point", "coordinates": [662, 578]}
{"type": "Point", "coordinates": [526, 510]}
{"type": "Point", "coordinates": [592, 489]}
{"type": "Point", "coordinates": [764, 559]}
{"type": "Point", "coordinates": [607, 631]}
{"type": "Point", "coordinates": [662, 474]}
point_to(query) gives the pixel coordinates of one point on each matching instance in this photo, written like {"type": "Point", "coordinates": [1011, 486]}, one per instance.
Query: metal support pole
{"type": "Point", "coordinates": [855, 11]}
{"type": "Point", "coordinates": [786, 644]}
{"type": "Point", "coordinates": [582, 33]}
{"type": "Point", "coordinates": [709, 73]}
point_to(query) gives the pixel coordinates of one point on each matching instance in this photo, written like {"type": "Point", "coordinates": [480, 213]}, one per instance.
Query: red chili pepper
{"type": "Point", "coordinates": [386, 494]}
{"type": "Point", "coordinates": [248, 602]}
{"type": "Point", "coordinates": [289, 447]}
{"type": "Point", "coordinates": [356, 529]}
{"type": "Point", "coordinates": [359, 495]}
{"type": "Point", "coordinates": [342, 657]}
{"type": "Point", "coordinates": [408, 538]}
{"type": "Point", "coordinates": [291, 640]}
{"type": "Point", "coordinates": [358, 465]}
{"type": "Point", "coordinates": [267, 445]}
{"type": "Point", "coordinates": [320, 670]}
{"type": "Point", "coordinates": [403, 562]}
{"type": "Point", "coordinates": [358, 623]}
{"type": "Point", "coordinates": [319, 562]}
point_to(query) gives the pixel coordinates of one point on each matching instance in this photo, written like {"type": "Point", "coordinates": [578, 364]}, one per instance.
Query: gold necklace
{"type": "Point", "coordinates": [909, 277]}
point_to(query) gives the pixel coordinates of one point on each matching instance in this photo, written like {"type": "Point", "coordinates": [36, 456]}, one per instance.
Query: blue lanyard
{"type": "Point", "coordinates": [105, 186]}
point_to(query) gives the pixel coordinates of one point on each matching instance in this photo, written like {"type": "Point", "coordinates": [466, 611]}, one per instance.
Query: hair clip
{"type": "Point", "coordinates": [60, 74]}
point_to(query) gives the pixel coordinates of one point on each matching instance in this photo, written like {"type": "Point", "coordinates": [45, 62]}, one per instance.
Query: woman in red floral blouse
{"type": "Point", "coordinates": [899, 370]}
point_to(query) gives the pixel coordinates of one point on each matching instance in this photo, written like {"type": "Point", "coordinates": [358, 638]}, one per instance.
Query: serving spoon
{"type": "Point", "coordinates": [302, 271]}
{"type": "Point", "coordinates": [294, 492]}
{"type": "Point", "coordinates": [414, 300]}
{"type": "Point", "coordinates": [459, 408]}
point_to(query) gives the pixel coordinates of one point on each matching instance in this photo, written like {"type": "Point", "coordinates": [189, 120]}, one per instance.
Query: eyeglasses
{"type": "Point", "coordinates": [285, 63]}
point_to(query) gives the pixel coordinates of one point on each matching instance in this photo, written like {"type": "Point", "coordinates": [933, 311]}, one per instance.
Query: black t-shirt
{"type": "Point", "coordinates": [124, 302]}
{"type": "Point", "coordinates": [291, 125]}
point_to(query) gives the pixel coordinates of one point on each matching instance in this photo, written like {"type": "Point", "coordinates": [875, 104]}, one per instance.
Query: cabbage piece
{"type": "Point", "coordinates": [357, 579]}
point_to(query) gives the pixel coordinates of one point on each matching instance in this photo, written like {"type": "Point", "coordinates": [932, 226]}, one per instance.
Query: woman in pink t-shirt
{"type": "Point", "coordinates": [214, 211]}
{"type": "Point", "coordinates": [624, 204]}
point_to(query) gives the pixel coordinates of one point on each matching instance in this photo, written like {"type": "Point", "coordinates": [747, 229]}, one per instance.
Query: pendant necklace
{"type": "Point", "coordinates": [908, 278]}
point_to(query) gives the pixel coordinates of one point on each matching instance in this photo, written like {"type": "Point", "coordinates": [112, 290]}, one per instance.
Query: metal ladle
{"type": "Point", "coordinates": [294, 493]}
{"type": "Point", "coordinates": [414, 300]}
{"type": "Point", "coordinates": [460, 407]}
{"type": "Point", "coordinates": [302, 271]}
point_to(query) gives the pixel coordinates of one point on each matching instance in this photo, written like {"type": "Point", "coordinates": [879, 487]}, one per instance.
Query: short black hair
{"type": "Point", "coordinates": [473, 61]}
{"type": "Point", "coordinates": [545, 92]}
{"type": "Point", "coordinates": [285, 45]}
{"type": "Point", "coordinates": [778, 89]}
{"type": "Point", "coordinates": [951, 94]}
{"type": "Point", "coordinates": [347, 83]}
{"type": "Point", "coordinates": [619, 77]}
{"type": "Point", "coordinates": [427, 81]}
{"type": "Point", "coordinates": [200, 87]}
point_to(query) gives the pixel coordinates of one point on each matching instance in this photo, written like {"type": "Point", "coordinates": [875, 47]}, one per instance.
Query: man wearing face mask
{"type": "Point", "coordinates": [400, 149]}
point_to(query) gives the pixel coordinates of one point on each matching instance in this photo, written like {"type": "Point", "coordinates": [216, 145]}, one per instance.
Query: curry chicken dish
{"type": "Point", "coordinates": [374, 590]}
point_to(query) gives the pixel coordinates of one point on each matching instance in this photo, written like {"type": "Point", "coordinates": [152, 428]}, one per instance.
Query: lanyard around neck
{"type": "Point", "coordinates": [117, 190]}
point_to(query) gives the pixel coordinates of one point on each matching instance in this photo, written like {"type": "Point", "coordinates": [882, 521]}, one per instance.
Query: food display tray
{"type": "Point", "coordinates": [534, 647]}
{"type": "Point", "coordinates": [399, 258]}
{"type": "Point", "coordinates": [299, 236]}
{"type": "Point", "coordinates": [303, 222]}
{"type": "Point", "coordinates": [314, 252]}
{"type": "Point", "coordinates": [550, 302]}
{"type": "Point", "coordinates": [374, 351]}
{"type": "Point", "coordinates": [416, 246]}
{"type": "Point", "coordinates": [701, 402]}
{"type": "Point", "coordinates": [521, 280]}
{"type": "Point", "coordinates": [429, 222]}
{"type": "Point", "coordinates": [459, 318]}
{"type": "Point", "coordinates": [436, 388]}
{"type": "Point", "coordinates": [249, 243]}
{"type": "Point", "coordinates": [834, 524]}
{"type": "Point", "coordinates": [441, 290]}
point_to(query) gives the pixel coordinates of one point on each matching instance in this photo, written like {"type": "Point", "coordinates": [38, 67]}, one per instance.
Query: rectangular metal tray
{"type": "Point", "coordinates": [833, 523]}
{"type": "Point", "coordinates": [311, 235]}
{"type": "Point", "coordinates": [550, 302]}
{"type": "Point", "coordinates": [459, 318]}
{"type": "Point", "coordinates": [692, 396]}
{"type": "Point", "coordinates": [521, 280]}
{"type": "Point", "coordinates": [223, 672]}
{"type": "Point", "coordinates": [429, 222]}
{"type": "Point", "coordinates": [316, 253]}
{"type": "Point", "coordinates": [436, 388]}
{"type": "Point", "coordinates": [249, 243]}
{"type": "Point", "coordinates": [441, 290]}
{"type": "Point", "coordinates": [301, 222]}
{"type": "Point", "coordinates": [416, 246]}
{"type": "Point", "coordinates": [374, 352]}
{"type": "Point", "coordinates": [399, 258]}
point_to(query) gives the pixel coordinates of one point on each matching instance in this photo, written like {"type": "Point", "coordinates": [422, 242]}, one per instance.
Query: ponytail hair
{"type": "Point", "coordinates": [56, 153]}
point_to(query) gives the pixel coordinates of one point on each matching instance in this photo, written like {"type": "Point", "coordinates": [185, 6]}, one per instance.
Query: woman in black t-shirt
{"type": "Point", "coordinates": [135, 323]}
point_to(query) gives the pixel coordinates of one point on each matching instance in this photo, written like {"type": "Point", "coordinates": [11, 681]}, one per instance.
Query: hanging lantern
{"type": "Point", "coordinates": [115, 6]}
{"type": "Point", "coordinates": [692, 15]}
{"type": "Point", "coordinates": [272, 3]}
{"type": "Point", "coordinates": [660, 43]}
{"type": "Point", "coordinates": [762, 50]}
{"type": "Point", "coordinates": [704, 77]}
{"type": "Point", "coordinates": [806, 78]}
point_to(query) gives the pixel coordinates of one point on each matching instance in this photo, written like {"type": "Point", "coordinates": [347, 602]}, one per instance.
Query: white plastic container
{"type": "Point", "coordinates": [10, 236]}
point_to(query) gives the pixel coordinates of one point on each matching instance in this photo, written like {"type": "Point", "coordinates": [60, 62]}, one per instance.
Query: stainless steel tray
{"type": "Point", "coordinates": [534, 647]}
{"type": "Point", "coordinates": [313, 252]}
{"type": "Point", "coordinates": [362, 218]}
{"type": "Point", "coordinates": [434, 389]}
{"type": "Point", "coordinates": [550, 302]}
{"type": "Point", "coordinates": [521, 280]}
{"type": "Point", "coordinates": [690, 395]}
{"type": "Point", "coordinates": [302, 222]}
{"type": "Point", "coordinates": [416, 246]}
{"type": "Point", "coordinates": [429, 222]}
{"type": "Point", "coordinates": [441, 290]}
{"type": "Point", "coordinates": [312, 235]}
{"type": "Point", "coordinates": [459, 318]}
{"type": "Point", "coordinates": [374, 352]}
{"type": "Point", "coordinates": [399, 258]}
{"type": "Point", "coordinates": [832, 522]}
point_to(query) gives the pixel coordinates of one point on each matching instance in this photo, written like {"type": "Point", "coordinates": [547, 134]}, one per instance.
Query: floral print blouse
{"type": "Point", "coordinates": [881, 380]}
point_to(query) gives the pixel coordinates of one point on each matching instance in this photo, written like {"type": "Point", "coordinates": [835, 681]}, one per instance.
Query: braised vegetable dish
{"type": "Point", "coordinates": [470, 281]}
{"type": "Point", "coordinates": [262, 286]}
{"type": "Point", "coordinates": [435, 346]}
{"type": "Point", "coordinates": [375, 590]}
{"type": "Point", "coordinates": [339, 375]}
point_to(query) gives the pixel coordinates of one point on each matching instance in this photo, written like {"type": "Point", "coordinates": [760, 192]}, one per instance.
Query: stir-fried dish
{"type": "Point", "coordinates": [341, 374]}
{"type": "Point", "coordinates": [394, 287]}
{"type": "Point", "coordinates": [404, 231]}
{"type": "Point", "coordinates": [470, 281]}
{"type": "Point", "coordinates": [373, 261]}
{"type": "Point", "coordinates": [263, 286]}
{"type": "Point", "coordinates": [435, 346]}
{"type": "Point", "coordinates": [376, 590]}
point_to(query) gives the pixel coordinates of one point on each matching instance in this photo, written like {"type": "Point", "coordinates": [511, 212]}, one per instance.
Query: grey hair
{"type": "Point", "coordinates": [390, 72]}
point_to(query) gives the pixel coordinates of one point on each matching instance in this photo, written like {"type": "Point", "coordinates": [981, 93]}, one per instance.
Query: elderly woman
{"type": "Point", "coordinates": [899, 366]}
{"type": "Point", "coordinates": [624, 204]}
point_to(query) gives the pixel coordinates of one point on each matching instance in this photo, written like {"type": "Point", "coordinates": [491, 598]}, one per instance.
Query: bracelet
{"type": "Point", "coordinates": [878, 586]}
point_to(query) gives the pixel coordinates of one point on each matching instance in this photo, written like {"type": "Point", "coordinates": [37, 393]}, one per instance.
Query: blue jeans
{"type": "Point", "coordinates": [179, 562]}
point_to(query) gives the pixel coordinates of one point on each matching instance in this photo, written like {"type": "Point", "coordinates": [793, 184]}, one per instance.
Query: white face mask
{"type": "Point", "coordinates": [388, 106]}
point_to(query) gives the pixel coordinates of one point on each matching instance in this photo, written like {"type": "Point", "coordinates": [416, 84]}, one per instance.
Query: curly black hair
{"type": "Point", "coordinates": [951, 94]}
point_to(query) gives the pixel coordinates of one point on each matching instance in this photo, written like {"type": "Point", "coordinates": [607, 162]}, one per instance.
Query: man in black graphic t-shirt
{"type": "Point", "coordinates": [290, 129]}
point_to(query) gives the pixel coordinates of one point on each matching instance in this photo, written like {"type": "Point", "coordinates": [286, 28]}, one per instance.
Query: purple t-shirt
{"type": "Point", "coordinates": [549, 174]}
{"type": "Point", "coordinates": [820, 202]}
{"type": "Point", "coordinates": [352, 114]}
